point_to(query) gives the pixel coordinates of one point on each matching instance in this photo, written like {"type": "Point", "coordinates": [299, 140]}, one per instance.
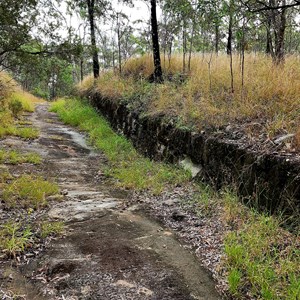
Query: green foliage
{"type": "Point", "coordinates": [234, 279]}
{"type": "Point", "coordinates": [16, 107]}
{"type": "Point", "coordinates": [27, 132]}
{"type": "Point", "coordinates": [14, 238]}
{"type": "Point", "coordinates": [16, 20]}
{"type": "Point", "coordinates": [51, 228]}
{"type": "Point", "coordinates": [14, 157]}
{"type": "Point", "coordinates": [28, 192]}
{"type": "Point", "coordinates": [263, 258]}
{"type": "Point", "coordinates": [131, 169]}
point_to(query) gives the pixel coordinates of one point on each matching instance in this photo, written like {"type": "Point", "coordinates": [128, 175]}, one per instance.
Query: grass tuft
{"type": "Point", "coordinates": [14, 238]}
{"type": "Point", "coordinates": [51, 228]}
{"type": "Point", "coordinates": [14, 157]}
{"type": "Point", "coordinates": [263, 258]}
{"type": "Point", "coordinates": [28, 192]}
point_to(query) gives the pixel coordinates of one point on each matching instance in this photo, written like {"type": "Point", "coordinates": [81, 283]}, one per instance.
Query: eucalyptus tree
{"type": "Point", "coordinates": [275, 14]}
{"type": "Point", "coordinates": [157, 75]}
{"type": "Point", "coordinates": [16, 21]}
{"type": "Point", "coordinates": [123, 31]}
{"type": "Point", "coordinates": [90, 11]}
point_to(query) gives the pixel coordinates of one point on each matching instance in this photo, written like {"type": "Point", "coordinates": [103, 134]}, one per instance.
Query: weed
{"type": "Point", "coordinates": [16, 107]}
{"type": "Point", "coordinates": [203, 200]}
{"type": "Point", "coordinates": [263, 257]}
{"type": "Point", "coordinates": [28, 192]}
{"type": "Point", "coordinates": [32, 158]}
{"type": "Point", "coordinates": [24, 122]}
{"type": "Point", "coordinates": [22, 132]}
{"type": "Point", "coordinates": [51, 228]}
{"type": "Point", "coordinates": [234, 280]}
{"type": "Point", "coordinates": [234, 211]}
{"type": "Point", "coordinates": [27, 133]}
{"type": "Point", "coordinates": [14, 238]}
{"type": "Point", "coordinates": [131, 169]}
{"type": "Point", "coordinates": [5, 176]}
{"type": "Point", "coordinates": [15, 157]}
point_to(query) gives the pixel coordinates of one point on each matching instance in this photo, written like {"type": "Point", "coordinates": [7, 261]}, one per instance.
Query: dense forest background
{"type": "Point", "coordinates": [50, 44]}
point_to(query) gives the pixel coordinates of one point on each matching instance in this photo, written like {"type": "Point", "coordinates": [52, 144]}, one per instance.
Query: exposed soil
{"type": "Point", "coordinates": [112, 247]}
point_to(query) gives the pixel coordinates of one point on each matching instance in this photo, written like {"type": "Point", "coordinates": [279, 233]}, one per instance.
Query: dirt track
{"type": "Point", "coordinates": [111, 250]}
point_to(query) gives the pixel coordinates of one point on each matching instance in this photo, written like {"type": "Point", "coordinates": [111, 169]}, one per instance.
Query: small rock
{"type": "Point", "coordinates": [171, 202]}
{"type": "Point", "coordinates": [228, 128]}
{"type": "Point", "coordinates": [64, 192]}
{"type": "Point", "coordinates": [283, 138]}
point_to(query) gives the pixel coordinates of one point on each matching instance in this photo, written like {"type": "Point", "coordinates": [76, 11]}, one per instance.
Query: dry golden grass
{"type": "Point", "coordinates": [270, 94]}
{"type": "Point", "coordinates": [13, 102]}
{"type": "Point", "coordinates": [7, 84]}
{"type": "Point", "coordinates": [86, 85]}
{"type": "Point", "coordinates": [10, 90]}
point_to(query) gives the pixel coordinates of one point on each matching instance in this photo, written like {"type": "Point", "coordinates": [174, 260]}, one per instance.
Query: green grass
{"type": "Point", "coordinates": [4, 175]}
{"type": "Point", "coordinates": [28, 192]}
{"type": "Point", "coordinates": [51, 228]}
{"type": "Point", "coordinates": [130, 168]}
{"type": "Point", "coordinates": [14, 157]}
{"type": "Point", "coordinates": [261, 257]}
{"type": "Point", "coordinates": [12, 108]}
{"type": "Point", "coordinates": [204, 200]}
{"type": "Point", "coordinates": [27, 133]}
{"type": "Point", "coordinates": [22, 132]}
{"type": "Point", "coordinates": [14, 238]}
{"type": "Point", "coordinates": [24, 99]}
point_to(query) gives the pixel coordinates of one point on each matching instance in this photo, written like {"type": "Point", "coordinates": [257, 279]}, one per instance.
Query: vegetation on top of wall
{"type": "Point", "coordinates": [265, 99]}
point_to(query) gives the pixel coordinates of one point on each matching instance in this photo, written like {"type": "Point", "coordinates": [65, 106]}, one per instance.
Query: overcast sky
{"type": "Point", "coordinates": [140, 11]}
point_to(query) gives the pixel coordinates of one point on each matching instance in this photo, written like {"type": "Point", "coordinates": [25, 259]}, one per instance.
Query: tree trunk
{"type": "Point", "coordinates": [279, 47]}
{"type": "Point", "coordinates": [217, 38]}
{"type": "Point", "coordinates": [81, 69]}
{"type": "Point", "coordinates": [184, 42]}
{"type": "Point", "coordinates": [96, 67]}
{"type": "Point", "coordinates": [191, 47]}
{"type": "Point", "coordinates": [269, 46]}
{"type": "Point", "coordinates": [279, 23]}
{"type": "Point", "coordinates": [155, 44]}
{"type": "Point", "coordinates": [119, 45]}
{"type": "Point", "coordinates": [170, 43]}
{"type": "Point", "coordinates": [229, 39]}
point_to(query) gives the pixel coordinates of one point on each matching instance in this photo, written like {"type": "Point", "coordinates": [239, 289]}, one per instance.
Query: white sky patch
{"type": "Point", "coordinates": [139, 11]}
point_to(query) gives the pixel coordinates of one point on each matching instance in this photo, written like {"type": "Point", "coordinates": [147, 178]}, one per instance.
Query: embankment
{"type": "Point", "coordinates": [266, 181]}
